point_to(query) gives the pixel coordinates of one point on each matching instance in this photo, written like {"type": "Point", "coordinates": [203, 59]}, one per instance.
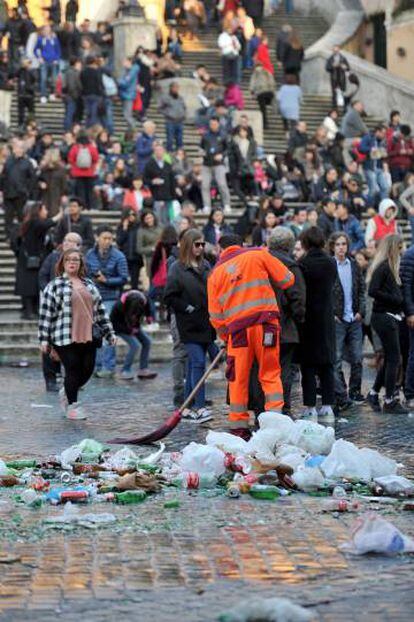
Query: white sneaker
{"type": "Point", "coordinates": [63, 399]}
{"type": "Point", "coordinates": [52, 98]}
{"type": "Point", "coordinates": [310, 413]}
{"type": "Point", "coordinates": [74, 412]}
{"type": "Point", "coordinates": [152, 328]}
{"type": "Point", "coordinates": [327, 413]}
{"type": "Point", "coordinates": [227, 209]}
{"type": "Point", "coordinates": [127, 375]}
{"type": "Point", "coordinates": [43, 100]}
{"type": "Point", "coordinates": [188, 414]}
{"type": "Point", "coordinates": [203, 415]}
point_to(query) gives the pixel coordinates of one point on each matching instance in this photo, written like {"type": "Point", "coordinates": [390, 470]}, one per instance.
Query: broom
{"type": "Point", "coordinates": [172, 422]}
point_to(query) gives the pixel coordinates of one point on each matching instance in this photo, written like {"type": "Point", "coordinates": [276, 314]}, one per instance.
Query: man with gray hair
{"type": "Point", "coordinates": [292, 305]}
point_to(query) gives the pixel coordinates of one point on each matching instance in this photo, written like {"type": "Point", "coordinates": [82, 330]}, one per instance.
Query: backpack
{"type": "Point", "coordinates": [109, 85]}
{"type": "Point", "coordinates": [83, 157]}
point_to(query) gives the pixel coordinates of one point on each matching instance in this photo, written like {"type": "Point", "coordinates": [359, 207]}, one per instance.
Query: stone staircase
{"type": "Point", "coordinates": [18, 341]}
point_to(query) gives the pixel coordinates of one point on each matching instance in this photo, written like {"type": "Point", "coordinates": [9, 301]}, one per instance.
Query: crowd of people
{"type": "Point", "coordinates": [306, 204]}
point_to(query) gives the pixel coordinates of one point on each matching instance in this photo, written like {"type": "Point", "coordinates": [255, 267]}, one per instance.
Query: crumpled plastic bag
{"type": "Point", "coordinates": [87, 450]}
{"type": "Point", "coordinates": [373, 534]}
{"type": "Point", "coordinates": [291, 455]}
{"type": "Point", "coordinates": [281, 424]}
{"type": "Point", "coordinates": [227, 442]}
{"type": "Point", "coordinates": [262, 445]}
{"type": "Point", "coordinates": [396, 485]}
{"type": "Point", "coordinates": [122, 459]}
{"type": "Point", "coordinates": [312, 437]}
{"type": "Point", "coordinates": [91, 450]}
{"type": "Point", "coordinates": [154, 457]}
{"type": "Point", "coordinates": [380, 465]}
{"type": "Point", "coordinates": [268, 610]}
{"type": "Point", "coordinates": [3, 469]}
{"type": "Point", "coordinates": [308, 478]}
{"type": "Point", "coordinates": [346, 460]}
{"type": "Point", "coordinates": [203, 459]}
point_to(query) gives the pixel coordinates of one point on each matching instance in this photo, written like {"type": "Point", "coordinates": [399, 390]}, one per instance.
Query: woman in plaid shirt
{"type": "Point", "coordinates": [71, 313]}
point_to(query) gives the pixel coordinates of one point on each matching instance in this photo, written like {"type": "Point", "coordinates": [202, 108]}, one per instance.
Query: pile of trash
{"type": "Point", "coordinates": [282, 457]}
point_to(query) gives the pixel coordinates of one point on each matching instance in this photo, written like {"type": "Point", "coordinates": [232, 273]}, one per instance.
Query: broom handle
{"type": "Point", "coordinates": [201, 381]}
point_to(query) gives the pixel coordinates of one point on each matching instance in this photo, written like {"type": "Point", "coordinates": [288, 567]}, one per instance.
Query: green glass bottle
{"type": "Point", "coordinates": [262, 491]}
{"type": "Point", "coordinates": [130, 496]}
{"type": "Point", "coordinates": [21, 464]}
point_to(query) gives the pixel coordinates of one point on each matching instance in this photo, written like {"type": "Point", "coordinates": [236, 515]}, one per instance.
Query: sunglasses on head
{"type": "Point", "coordinates": [199, 244]}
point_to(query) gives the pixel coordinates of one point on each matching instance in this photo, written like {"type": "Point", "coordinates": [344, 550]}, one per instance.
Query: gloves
{"type": "Point", "coordinates": [189, 309]}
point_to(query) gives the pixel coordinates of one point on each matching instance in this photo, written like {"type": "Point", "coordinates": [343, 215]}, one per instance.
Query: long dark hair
{"type": "Point", "coordinates": [31, 213]}
{"type": "Point", "coordinates": [186, 246]}
{"type": "Point", "coordinates": [134, 308]}
{"type": "Point", "coordinates": [144, 213]}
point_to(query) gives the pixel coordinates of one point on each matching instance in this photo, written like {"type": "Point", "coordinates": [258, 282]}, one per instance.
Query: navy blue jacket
{"type": "Point", "coordinates": [352, 227]}
{"type": "Point", "coordinates": [407, 278]}
{"type": "Point", "coordinates": [113, 266]}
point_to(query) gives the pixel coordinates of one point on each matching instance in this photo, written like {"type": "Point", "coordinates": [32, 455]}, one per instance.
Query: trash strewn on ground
{"type": "Point", "coordinates": [373, 534]}
{"type": "Point", "coordinates": [282, 457]}
{"type": "Point", "coordinates": [268, 610]}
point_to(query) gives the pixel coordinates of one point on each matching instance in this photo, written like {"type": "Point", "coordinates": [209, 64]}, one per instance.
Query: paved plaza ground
{"type": "Point", "coordinates": [195, 561]}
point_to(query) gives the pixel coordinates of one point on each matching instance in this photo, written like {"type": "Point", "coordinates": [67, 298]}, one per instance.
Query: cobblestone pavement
{"type": "Point", "coordinates": [195, 561]}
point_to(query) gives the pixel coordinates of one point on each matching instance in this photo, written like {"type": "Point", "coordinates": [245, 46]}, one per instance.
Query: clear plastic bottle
{"type": "Point", "coordinates": [339, 492]}
{"type": "Point", "coordinates": [194, 481]}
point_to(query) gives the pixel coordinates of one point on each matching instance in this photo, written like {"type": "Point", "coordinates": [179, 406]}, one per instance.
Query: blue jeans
{"type": "Point", "coordinates": [377, 184]}
{"type": "Point", "coordinates": [106, 356]}
{"type": "Point", "coordinates": [133, 342]}
{"type": "Point", "coordinates": [70, 109]}
{"type": "Point", "coordinates": [196, 365]}
{"type": "Point", "coordinates": [348, 334]}
{"type": "Point", "coordinates": [48, 70]}
{"type": "Point", "coordinates": [175, 49]}
{"type": "Point", "coordinates": [109, 115]}
{"type": "Point", "coordinates": [289, 6]}
{"type": "Point", "coordinates": [91, 103]}
{"type": "Point", "coordinates": [409, 374]}
{"type": "Point", "coordinates": [174, 134]}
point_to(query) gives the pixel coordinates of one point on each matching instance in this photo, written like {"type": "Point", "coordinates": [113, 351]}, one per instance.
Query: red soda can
{"type": "Point", "coordinates": [73, 495]}
{"type": "Point", "coordinates": [38, 483]}
{"type": "Point", "coordinates": [193, 481]}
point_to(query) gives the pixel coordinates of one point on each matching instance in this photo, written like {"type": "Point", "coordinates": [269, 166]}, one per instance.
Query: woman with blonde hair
{"type": "Point", "coordinates": [384, 286]}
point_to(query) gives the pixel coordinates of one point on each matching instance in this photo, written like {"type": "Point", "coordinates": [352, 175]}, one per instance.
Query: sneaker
{"type": "Point", "coordinates": [357, 397]}
{"type": "Point", "coordinates": [326, 413]}
{"type": "Point", "coordinates": [344, 404]}
{"type": "Point", "coordinates": [203, 415]}
{"type": "Point", "coordinates": [310, 413]}
{"type": "Point", "coordinates": [227, 209]}
{"type": "Point", "coordinates": [104, 373]}
{"type": "Point", "coordinates": [206, 210]}
{"type": "Point", "coordinates": [43, 100]}
{"type": "Point", "coordinates": [63, 399]}
{"type": "Point", "coordinates": [152, 328]}
{"type": "Point", "coordinates": [52, 97]}
{"type": "Point", "coordinates": [126, 375]}
{"type": "Point", "coordinates": [243, 433]}
{"type": "Point", "coordinates": [373, 401]}
{"type": "Point", "coordinates": [394, 408]}
{"type": "Point", "coordinates": [74, 412]}
{"type": "Point", "coordinates": [147, 374]}
{"type": "Point", "coordinates": [410, 404]}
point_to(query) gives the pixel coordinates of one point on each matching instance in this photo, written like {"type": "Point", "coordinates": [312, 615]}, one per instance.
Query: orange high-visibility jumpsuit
{"type": "Point", "coordinates": [244, 311]}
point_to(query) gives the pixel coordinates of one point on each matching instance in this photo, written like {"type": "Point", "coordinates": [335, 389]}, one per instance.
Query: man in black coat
{"type": "Point", "coordinates": [292, 307]}
{"type": "Point", "coordinates": [26, 86]}
{"type": "Point", "coordinates": [337, 66]}
{"type": "Point", "coordinates": [18, 182]}
{"type": "Point", "coordinates": [76, 222]}
{"type": "Point", "coordinates": [160, 178]}
{"type": "Point", "coordinates": [254, 8]}
{"type": "Point", "coordinates": [317, 343]}
{"type": "Point", "coordinates": [349, 308]}
{"type": "Point", "coordinates": [326, 220]}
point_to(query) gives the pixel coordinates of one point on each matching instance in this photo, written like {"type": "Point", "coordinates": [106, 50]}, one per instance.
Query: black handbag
{"type": "Point", "coordinates": [97, 336]}
{"type": "Point", "coordinates": [32, 261]}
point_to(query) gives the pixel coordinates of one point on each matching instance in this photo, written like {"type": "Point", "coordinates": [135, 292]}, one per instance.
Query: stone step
{"type": "Point", "coordinates": [12, 353]}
